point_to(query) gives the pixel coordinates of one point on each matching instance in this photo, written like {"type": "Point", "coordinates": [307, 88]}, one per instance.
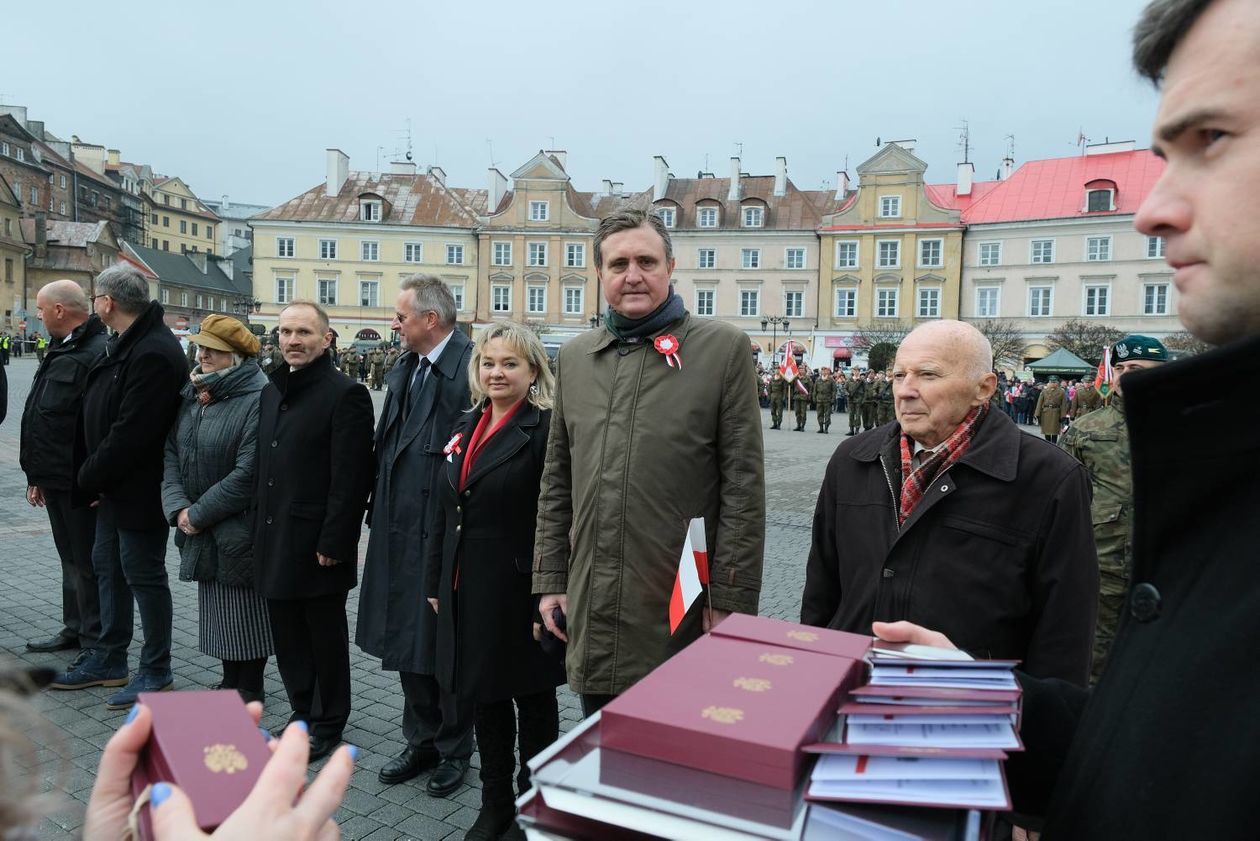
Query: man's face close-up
{"type": "Point", "coordinates": [635, 274]}
{"type": "Point", "coordinates": [1207, 201]}
{"type": "Point", "coordinates": [302, 338]}
{"type": "Point", "coordinates": [413, 327]}
{"type": "Point", "coordinates": [1122, 368]}
{"type": "Point", "coordinates": [933, 389]}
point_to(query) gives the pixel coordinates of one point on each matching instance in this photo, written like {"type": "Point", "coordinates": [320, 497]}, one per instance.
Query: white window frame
{"type": "Point", "coordinates": [501, 252]}
{"type": "Point", "coordinates": [1098, 249]}
{"type": "Point", "coordinates": [884, 295]}
{"type": "Point", "coordinates": [753, 216]}
{"type": "Point", "coordinates": [847, 295]}
{"type": "Point", "coordinates": [983, 292]}
{"type": "Point", "coordinates": [701, 253]}
{"type": "Point", "coordinates": [994, 257]}
{"type": "Point", "coordinates": [879, 254]}
{"type": "Point", "coordinates": [413, 252]}
{"type": "Point", "coordinates": [326, 300]}
{"type": "Point", "coordinates": [328, 249]}
{"type": "Point", "coordinates": [789, 253]}
{"type": "Point", "coordinates": [1155, 248]}
{"type": "Point", "coordinates": [1111, 199]}
{"type": "Point", "coordinates": [165, 296]}
{"type": "Point", "coordinates": [369, 210]}
{"type": "Point", "coordinates": [569, 252]}
{"type": "Point", "coordinates": [890, 207]}
{"type": "Point", "coordinates": [454, 250]}
{"type": "Point", "coordinates": [370, 250]}
{"type": "Point", "coordinates": [183, 295]}
{"type": "Point", "coordinates": [756, 300]}
{"type": "Point", "coordinates": [928, 294]}
{"type": "Point", "coordinates": [457, 292]}
{"type": "Point", "coordinates": [940, 253]}
{"type": "Point", "coordinates": [539, 211]}
{"type": "Point", "coordinates": [283, 285]}
{"type": "Point", "coordinates": [286, 248]}
{"type": "Point", "coordinates": [703, 213]}
{"type": "Point", "coordinates": [793, 303]}
{"type": "Point", "coordinates": [707, 302]}
{"type": "Point", "coordinates": [1102, 302]}
{"type": "Point", "coordinates": [500, 297]}
{"type": "Point", "coordinates": [668, 215]}
{"type": "Point", "coordinates": [857, 253]}
{"type": "Point", "coordinates": [1161, 307]}
{"type": "Point", "coordinates": [1032, 251]}
{"type": "Point", "coordinates": [574, 300]}
{"type": "Point", "coordinates": [536, 253]}
{"type": "Point", "coordinates": [750, 258]}
{"type": "Point", "coordinates": [368, 284]}
{"type": "Point", "coordinates": [538, 292]}
{"type": "Point", "coordinates": [1049, 306]}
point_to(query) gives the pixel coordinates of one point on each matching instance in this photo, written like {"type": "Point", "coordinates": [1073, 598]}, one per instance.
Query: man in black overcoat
{"type": "Point", "coordinates": [428, 390]}
{"type": "Point", "coordinates": [314, 472]}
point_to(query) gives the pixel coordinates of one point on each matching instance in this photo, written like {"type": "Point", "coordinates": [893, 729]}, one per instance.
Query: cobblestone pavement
{"type": "Point", "coordinates": [79, 724]}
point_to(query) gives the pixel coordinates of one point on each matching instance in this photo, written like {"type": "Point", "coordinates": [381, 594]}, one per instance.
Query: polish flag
{"type": "Point", "coordinates": [693, 574]}
{"type": "Point", "coordinates": [788, 368]}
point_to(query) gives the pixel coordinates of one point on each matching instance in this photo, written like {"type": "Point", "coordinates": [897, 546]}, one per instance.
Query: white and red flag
{"type": "Point", "coordinates": [788, 368]}
{"type": "Point", "coordinates": [1105, 376]}
{"type": "Point", "coordinates": [692, 576]}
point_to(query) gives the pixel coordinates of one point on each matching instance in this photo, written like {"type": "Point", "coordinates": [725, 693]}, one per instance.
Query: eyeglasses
{"type": "Point", "coordinates": [102, 295]}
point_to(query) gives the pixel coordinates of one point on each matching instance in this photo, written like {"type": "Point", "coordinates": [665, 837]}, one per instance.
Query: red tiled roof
{"type": "Point", "coordinates": [946, 195]}
{"type": "Point", "coordinates": [413, 200]}
{"type": "Point", "coordinates": [1055, 188]}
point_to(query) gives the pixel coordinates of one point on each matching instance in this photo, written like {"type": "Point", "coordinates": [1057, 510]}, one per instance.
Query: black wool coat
{"type": "Point", "coordinates": [395, 624]}
{"type": "Point", "coordinates": [314, 471]}
{"type": "Point", "coordinates": [1167, 745]}
{"type": "Point", "coordinates": [485, 645]}
{"type": "Point", "coordinates": [129, 405]}
{"type": "Point", "coordinates": [998, 555]}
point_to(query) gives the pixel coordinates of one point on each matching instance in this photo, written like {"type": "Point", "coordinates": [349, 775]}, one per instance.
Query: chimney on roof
{"type": "Point", "coordinates": [17, 112]}
{"type": "Point", "coordinates": [36, 127]}
{"type": "Point", "coordinates": [438, 174]}
{"type": "Point", "coordinates": [966, 175]}
{"type": "Point", "coordinates": [733, 193]}
{"type": "Point", "coordinates": [1008, 164]}
{"type": "Point", "coordinates": [607, 187]}
{"type": "Point", "coordinates": [560, 155]}
{"type": "Point", "coordinates": [402, 167]}
{"type": "Point", "coordinates": [198, 259]}
{"type": "Point", "coordinates": [41, 235]}
{"type": "Point", "coordinates": [842, 185]}
{"type": "Point", "coordinates": [338, 171]}
{"type": "Point", "coordinates": [498, 186]}
{"type": "Point", "coordinates": [780, 176]}
{"type": "Point", "coordinates": [226, 267]}
{"type": "Point", "coordinates": [660, 180]}
{"type": "Point", "coordinates": [617, 187]}
{"type": "Point", "coordinates": [224, 207]}
{"type": "Point", "coordinates": [1108, 146]}
{"type": "Point", "coordinates": [114, 157]}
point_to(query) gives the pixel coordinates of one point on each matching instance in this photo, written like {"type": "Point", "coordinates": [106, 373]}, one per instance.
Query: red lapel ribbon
{"type": "Point", "coordinates": [668, 346]}
{"type": "Point", "coordinates": [452, 446]}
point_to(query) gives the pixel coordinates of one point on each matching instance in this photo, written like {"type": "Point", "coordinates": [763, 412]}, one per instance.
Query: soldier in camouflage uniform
{"type": "Point", "coordinates": [1100, 441]}
{"type": "Point", "coordinates": [824, 399]}
{"type": "Point", "coordinates": [376, 368]}
{"type": "Point", "coordinates": [778, 398]}
{"type": "Point", "coordinates": [884, 407]}
{"type": "Point", "coordinates": [800, 398]}
{"type": "Point", "coordinates": [854, 388]}
{"type": "Point", "coordinates": [870, 399]}
{"type": "Point", "coordinates": [1085, 400]}
{"type": "Point", "coordinates": [352, 364]}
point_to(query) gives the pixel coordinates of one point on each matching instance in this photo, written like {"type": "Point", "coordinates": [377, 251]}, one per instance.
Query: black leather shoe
{"type": "Point", "coordinates": [410, 763]}
{"type": "Point", "coordinates": [61, 642]}
{"type": "Point", "coordinates": [447, 777]}
{"type": "Point", "coordinates": [321, 747]}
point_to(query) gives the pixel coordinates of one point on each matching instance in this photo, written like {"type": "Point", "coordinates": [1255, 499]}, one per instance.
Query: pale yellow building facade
{"type": "Point", "coordinates": [176, 220]}
{"type": "Point", "coordinates": [13, 251]}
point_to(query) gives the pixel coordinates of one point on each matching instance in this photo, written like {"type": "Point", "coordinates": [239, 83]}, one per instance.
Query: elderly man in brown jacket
{"type": "Point", "coordinates": [655, 422]}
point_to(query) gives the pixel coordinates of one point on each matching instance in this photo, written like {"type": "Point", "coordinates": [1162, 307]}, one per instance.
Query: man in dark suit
{"type": "Point", "coordinates": [428, 390]}
{"type": "Point", "coordinates": [314, 472]}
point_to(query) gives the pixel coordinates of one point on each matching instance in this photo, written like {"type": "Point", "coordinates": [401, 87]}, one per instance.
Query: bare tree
{"type": "Point", "coordinates": [880, 340]}
{"type": "Point", "coordinates": [1006, 338]}
{"type": "Point", "coordinates": [1084, 338]}
{"type": "Point", "coordinates": [1186, 343]}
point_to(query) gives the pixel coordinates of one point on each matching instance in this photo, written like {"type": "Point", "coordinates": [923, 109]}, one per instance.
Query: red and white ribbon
{"type": "Point", "coordinates": [668, 347]}
{"type": "Point", "coordinates": [452, 446]}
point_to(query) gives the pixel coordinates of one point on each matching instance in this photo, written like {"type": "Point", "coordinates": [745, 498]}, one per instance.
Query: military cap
{"type": "Point", "coordinates": [1139, 347]}
{"type": "Point", "coordinates": [1054, 378]}
{"type": "Point", "coordinates": [223, 332]}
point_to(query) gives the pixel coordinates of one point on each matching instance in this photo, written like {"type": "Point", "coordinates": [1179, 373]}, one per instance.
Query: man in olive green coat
{"type": "Point", "coordinates": [801, 390]}
{"type": "Point", "coordinates": [376, 368]}
{"type": "Point", "coordinates": [870, 399]}
{"type": "Point", "coordinates": [1050, 408]}
{"type": "Point", "coordinates": [884, 405]}
{"type": "Point", "coordinates": [1085, 400]}
{"type": "Point", "coordinates": [778, 398]}
{"type": "Point", "coordinates": [855, 389]}
{"type": "Point", "coordinates": [656, 421]}
{"type": "Point", "coordinates": [1100, 441]}
{"type": "Point", "coordinates": [824, 399]}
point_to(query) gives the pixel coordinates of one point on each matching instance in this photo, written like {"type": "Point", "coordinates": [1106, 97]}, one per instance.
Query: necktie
{"type": "Point", "coordinates": [417, 385]}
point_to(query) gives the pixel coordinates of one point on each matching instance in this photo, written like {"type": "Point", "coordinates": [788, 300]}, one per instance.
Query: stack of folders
{"type": "Point", "coordinates": [929, 728]}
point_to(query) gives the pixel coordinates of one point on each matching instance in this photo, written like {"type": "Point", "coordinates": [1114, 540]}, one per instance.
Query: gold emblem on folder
{"type": "Point", "coordinates": [723, 715]}
{"type": "Point", "coordinates": [225, 759]}
{"type": "Point", "coordinates": [752, 684]}
{"type": "Point", "coordinates": [777, 659]}
{"type": "Point", "coordinates": [803, 636]}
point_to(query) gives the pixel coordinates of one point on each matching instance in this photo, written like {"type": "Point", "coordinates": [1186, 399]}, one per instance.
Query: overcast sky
{"type": "Point", "coordinates": [242, 98]}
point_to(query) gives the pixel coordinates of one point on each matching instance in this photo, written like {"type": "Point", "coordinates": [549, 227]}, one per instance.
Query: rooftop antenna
{"type": "Point", "coordinates": [846, 163]}
{"type": "Point", "coordinates": [1081, 140]}
{"type": "Point", "coordinates": [490, 145]}
{"type": "Point", "coordinates": [706, 161]}
{"type": "Point", "coordinates": [409, 155]}
{"type": "Point", "coordinates": [964, 141]}
{"type": "Point", "coordinates": [739, 148]}
{"type": "Point", "coordinates": [379, 149]}
{"type": "Point", "coordinates": [1010, 146]}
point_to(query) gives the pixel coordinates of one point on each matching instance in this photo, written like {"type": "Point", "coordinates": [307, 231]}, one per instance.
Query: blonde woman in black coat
{"type": "Point", "coordinates": [479, 571]}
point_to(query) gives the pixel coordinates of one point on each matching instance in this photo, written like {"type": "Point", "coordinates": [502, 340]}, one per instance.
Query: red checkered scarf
{"type": "Point", "coordinates": [914, 483]}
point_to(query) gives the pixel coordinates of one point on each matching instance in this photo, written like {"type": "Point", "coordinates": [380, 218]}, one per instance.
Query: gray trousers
{"type": "Point", "coordinates": [434, 719]}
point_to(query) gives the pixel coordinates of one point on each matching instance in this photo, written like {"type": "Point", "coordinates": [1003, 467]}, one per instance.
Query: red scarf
{"type": "Point", "coordinates": [914, 483]}
{"type": "Point", "coordinates": [481, 434]}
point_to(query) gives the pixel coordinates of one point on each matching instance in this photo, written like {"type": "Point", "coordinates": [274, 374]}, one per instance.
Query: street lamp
{"type": "Point", "coordinates": [244, 305]}
{"type": "Point", "coordinates": [596, 320]}
{"type": "Point", "coordinates": [773, 322]}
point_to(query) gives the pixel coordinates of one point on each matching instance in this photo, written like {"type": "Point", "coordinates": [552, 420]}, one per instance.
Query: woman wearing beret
{"type": "Point", "coordinates": [207, 490]}
{"type": "Point", "coordinates": [478, 575]}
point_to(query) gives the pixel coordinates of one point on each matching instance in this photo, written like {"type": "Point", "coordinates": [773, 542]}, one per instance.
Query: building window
{"type": "Point", "coordinates": [668, 216]}
{"type": "Point", "coordinates": [929, 302]}
{"type": "Point", "coordinates": [1097, 249]}
{"type": "Point", "coordinates": [502, 254]}
{"type": "Point", "coordinates": [328, 249]}
{"type": "Point", "coordinates": [575, 255]}
{"type": "Point", "coordinates": [156, 244]}
{"type": "Point", "coordinates": [369, 211]}
{"type": "Point", "coordinates": [500, 298]}
{"type": "Point", "coordinates": [750, 302]}
{"type": "Point", "coordinates": [183, 204]}
{"type": "Point", "coordinates": [165, 295]}
{"type": "Point", "coordinates": [284, 246]}
{"type": "Point", "coordinates": [4, 148]}
{"type": "Point", "coordinates": [1098, 200]}
{"type": "Point", "coordinates": [166, 221]}
{"type": "Point", "coordinates": [537, 254]}
{"type": "Point", "coordinates": [1097, 300]}
{"type": "Point", "coordinates": [794, 258]}
{"type": "Point", "coordinates": [327, 291]}
{"type": "Point", "coordinates": [194, 229]}
{"type": "Point", "coordinates": [753, 217]}
{"type": "Point", "coordinates": [536, 299]}
{"type": "Point", "coordinates": [573, 300]}
{"type": "Point", "coordinates": [369, 293]}
{"type": "Point", "coordinates": [1155, 248]}
{"type": "Point", "coordinates": [930, 253]}
{"type": "Point", "coordinates": [750, 258]}
{"type": "Point", "coordinates": [889, 254]}
{"type": "Point", "coordinates": [706, 258]}
{"type": "Point", "coordinates": [155, 219]}
{"type": "Point", "coordinates": [63, 181]}
{"type": "Point", "coordinates": [704, 302]}
{"type": "Point", "coordinates": [166, 199]}
{"type": "Point", "coordinates": [988, 299]}
{"type": "Point", "coordinates": [284, 291]}
{"type": "Point", "coordinates": [1155, 298]}
{"type": "Point", "coordinates": [889, 207]}
{"type": "Point", "coordinates": [1042, 251]}
{"type": "Point", "coordinates": [370, 251]}
{"type": "Point", "coordinates": [706, 217]}
{"type": "Point", "coordinates": [21, 154]}
{"type": "Point", "coordinates": [457, 292]}
{"type": "Point", "coordinates": [1040, 301]}
{"type": "Point", "coordinates": [413, 252]}
{"type": "Point", "coordinates": [846, 303]}
{"type": "Point", "coordinates": [183, 226]}
{"type": "Point", "coordinates": [990, 253]}
{"type": "Point", "coordinates": [539, 211]}
{"type": "Point", "coordinates": [183, 297]}
{"type": "Point", "coordinates": [209, 231]}
{"type": "Point", "coordinates": [35, 195]}
{"type": "Point", "coordinates": [793, 304]}
{"type": "Point", "coordinates": [166, 245]}
{"type": "Point", "coordinates": [454, 254]}
{"type": "Point", "coordinates": [846, 254]}
{"type": "Point", "coordinates": [886, 303]}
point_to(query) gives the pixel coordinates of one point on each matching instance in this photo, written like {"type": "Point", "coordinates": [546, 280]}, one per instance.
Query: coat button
{"type": "Point", "coordinates": [458, 527]}
{"type": "Point", "coordinates": [1145, 602]}
{"type": "Point", "coordinates": [467, 494]}
{"type": "Point", "coordinates": [271, 483]}
{"type": "Point", "coordinates": [888, 573]}
{"type": "Point", "coordinates": [268, 521]}
{"type": "Point", "coordinates": [284, 407]}
{"type": "Point", "coordinates": [458, 510]}
{"type": "Point", "coordinates": [275, 443]}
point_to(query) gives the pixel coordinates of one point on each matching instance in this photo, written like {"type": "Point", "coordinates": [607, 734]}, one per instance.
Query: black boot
{"type": "Point", "coordinates": [539, 716]}
{"type": "Point", "coordinates": [495, 726]}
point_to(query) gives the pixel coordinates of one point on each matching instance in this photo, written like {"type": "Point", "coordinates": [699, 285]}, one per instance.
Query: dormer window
{"type": "Point", "coordinates": [754, 217]}
{"type": "Point", "coordinates": [706, 217]}
{"type": "Point", "coordinates": [668, 216]}
{"type": "Point", "coordinates": [539, 211]}
{"type": "Point", "coordinates": [369, 210]}
{"type": "Point", "coordinates": [1100, 196]}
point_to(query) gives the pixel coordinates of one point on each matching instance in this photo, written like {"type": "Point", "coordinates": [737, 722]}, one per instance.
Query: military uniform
{"type": "Point", "coordinates": [884, 407]}
{"type": "Point", "coordinates": [870, 403]}
{"type": "Point", "coordinates": [778, 399]}
{"type": "Point", "coordinates": [352, 364]}
{"type": "Point", "coordinates": [800, 402]}
{"type": "Point", "coordinates": [376, 368]}
{"type": "Point", "coordinates": [854, 389]}
{"type": "Point", "coordinates": [824, 399]}
{"type": "Point", "coordinates": [1100, 441]}
{"type": "Point", "coordinates": [1049, 410]}
{"type": "Point", "coordinates": [391, 358]}
{"type": "Point", "coordinates": [1086, 400]}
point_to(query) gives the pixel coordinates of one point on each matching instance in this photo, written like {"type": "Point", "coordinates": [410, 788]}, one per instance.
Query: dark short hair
{"type": "Point", "coordinates": [1158, 32]}
{"type": "Point", "coordinates": [628, 220]}
{"type": "Point", "coordinates": [126, 286]}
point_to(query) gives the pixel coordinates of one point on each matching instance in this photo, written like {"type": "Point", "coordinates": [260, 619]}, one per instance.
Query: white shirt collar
{"type": "Point", "coordinates": [436, 353]}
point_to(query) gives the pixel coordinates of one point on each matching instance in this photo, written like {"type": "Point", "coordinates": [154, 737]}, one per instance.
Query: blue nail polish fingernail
{"type": "Point", "coordinates": [266, 734]}
{"type": "Point", "coordinates": [354, 752]}
{"type": "Point", "coordinates": [159, 793]}
{"type": "Point", "coordinates": [303, 725]}
{"type": "Point", "coordinates": [131, 716]}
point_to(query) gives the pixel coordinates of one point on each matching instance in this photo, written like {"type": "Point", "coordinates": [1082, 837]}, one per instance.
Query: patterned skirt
{"type": "Point", "coordinates": [234, 623]}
